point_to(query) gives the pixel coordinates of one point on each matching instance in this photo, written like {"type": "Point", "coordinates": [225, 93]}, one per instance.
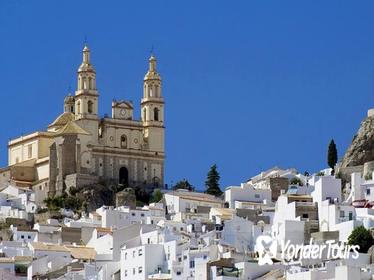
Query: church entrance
{"type": "Point", "coordinates": [124, 176]}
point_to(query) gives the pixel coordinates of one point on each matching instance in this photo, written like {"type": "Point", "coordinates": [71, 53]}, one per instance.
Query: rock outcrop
{"type": "Point", "coordinates": [361, 149]}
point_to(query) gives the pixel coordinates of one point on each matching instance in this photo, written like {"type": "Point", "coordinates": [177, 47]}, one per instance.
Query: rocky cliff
{"type": "Point", "coordinates": [361, 149]}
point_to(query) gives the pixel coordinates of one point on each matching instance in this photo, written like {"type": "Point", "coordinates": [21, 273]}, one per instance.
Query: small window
{"type": "Point", "coordinates": [125, 273]}
{"type": "Point", "coordinates": [22, 236]}
{"type": "Point", "coordinates": [140, 252]}
{"type": "Point", "coordinates": [156, 114]}
{"type": "Point", "coordinates": [123, 142]}
{"type": "Point", "coordinates": [305, 216]}
{"type": "Point", "coordinates": [90, 107]}
{"type": "Point", "coordinates": [144, 115]}
{"type": "Point", "coordinates": [133, 254]}
{"type": "Point", "coordinates": [140, 269]}
{"type": "Point", "coordinates": [257, 195]}
{"type": "Point", "coordinates": [28, 237]}
{"type": "Point", "coordinates": [341, 214]}
{"type": "Point", "coordinates": [29, 151]}
{"type": "Point", "coordinates": [142, 214]}
{"type": "Point", "coordinates": [192, 264]}
{"type": "Point", "coordinates": [133, 271]}
{"type": "Point", "coordinates": [179, 273]}
{"type": "Point", "coordinates": [368, 191]}
{"type": "Point", "coordinates": [132, 214]}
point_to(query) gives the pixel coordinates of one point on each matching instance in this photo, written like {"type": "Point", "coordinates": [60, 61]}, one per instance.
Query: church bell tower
{"type": "Point", "coordinates": [152, 106]}
{"type": "Point", "coordinates": [86, 95]}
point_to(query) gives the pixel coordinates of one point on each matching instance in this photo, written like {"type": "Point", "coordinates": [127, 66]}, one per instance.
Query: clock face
{"type": "Point", "coordinates": [123, 112]}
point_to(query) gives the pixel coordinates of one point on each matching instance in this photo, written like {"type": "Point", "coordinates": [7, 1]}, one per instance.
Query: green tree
{"type": "Point", "coordinates": [157, 195]}
{"type": "Point", "coordinates": [362, 237]}
{"type": "Point", "coordinates": [332, 155]}
{"type": "Point", "coordinates": [183, 184]}
{"type": "Point", "coordinates": [212, 182]}
{"type": "Point", "coordinates": [296, 181]}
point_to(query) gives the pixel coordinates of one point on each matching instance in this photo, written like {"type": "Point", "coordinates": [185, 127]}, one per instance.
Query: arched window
{"type": "Point", "coordinates": [78, 107]}
{"type": "Point", "coordinates": [84, 83]}
{"type": "Point", "coordinates": [90, 106]}
{"type": "Point", "coordinates": [151, 91]}
{"type": "Point", "coordinates": [155, 114]}
{"type": "Point", "coordinates": [144, 114]}
{"type": "Point", "coordinates": [156, 91]}
{"type": "Point", "coordinates": [90, 83]}
{"type": "Point", "coordinates": [123, 142]}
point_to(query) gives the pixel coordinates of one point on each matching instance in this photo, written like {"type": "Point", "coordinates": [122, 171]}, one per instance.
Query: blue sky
{"type": "Point", "coordinates": [247, 84]}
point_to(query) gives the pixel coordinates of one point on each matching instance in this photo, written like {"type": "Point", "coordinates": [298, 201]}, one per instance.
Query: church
{"type": "Point", "coordinates": [80, 148]}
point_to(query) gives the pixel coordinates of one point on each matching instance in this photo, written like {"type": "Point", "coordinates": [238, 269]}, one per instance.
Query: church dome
{"type": "Point", "coordinates": [62, 120]}
{"type": "Point", "coordinates": [69, 99]}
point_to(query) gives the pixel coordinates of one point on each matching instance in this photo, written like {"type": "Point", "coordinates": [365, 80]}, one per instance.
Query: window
{"type": "Point", "coordinates": [341, 214]}
{"type": "Point", "coordinates": [78, 107]}
{"type": "Point", "coordinates": [133, 271]}
{"type": "Point", "coordinates": [133, 254]}
{"type": "Point", "coordinates": [28, 237]}
{"type": "Point", "coordinates": [125, 273]}
{"type": "Point", "coordinates": [179, 273]}
{"type": "Point", "coordinates": [124, 142]}
{"type": "Point", "coordinates": [155, 114]}
{"type": "Point", "coordinates": [22, 236]}
{"type": "Point", "coordinates": [132, 214]}
{"type": "Point", "coordinates": [368, 191]}
{"type": "Point", "coordinates": [350, 215]}
{"type": "Point", "coordinates": [142, 214]}
{"type": "Point", "coordinates": [192, 264]}
{"type": "Point", "coordinates": [149, 241]}
{"type": "Point", "coordinates": [305, 216]}
{"type": "Point", "coordinates": [144, 115]}
{"type": "Point", "coordinates": [126, 256]}
{"type": "Point", "coordinates": [140, 252]}
{"type": "Point", "coordinates": [257, 195]}
{"type": "Point", "coordinates": [29, 151]}
{"type": "Point", "coordinates": [90, 107]}
{"type": "Point", "coordinates": [140, 269]}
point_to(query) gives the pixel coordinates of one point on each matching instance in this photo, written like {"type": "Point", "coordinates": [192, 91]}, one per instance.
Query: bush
{"type": "Point", "coordinates": [362, 237]}
{"type": "Point", "coordinates": [368, 176]}
{"type": "Point", "coordinates": [296, 181]}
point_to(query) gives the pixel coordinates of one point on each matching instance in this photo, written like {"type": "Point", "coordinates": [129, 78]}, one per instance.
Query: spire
{"type": "Point", "coordinates": [86, 54]}
{"type": "Point", "coordinates": [152, 71]}
{"type": "Point", "coordinates": [86, 65]}
{"type": "Point", "coordinates": [152, 63]}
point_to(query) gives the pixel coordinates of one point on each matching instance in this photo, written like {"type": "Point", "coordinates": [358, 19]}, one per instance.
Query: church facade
{"type": "Point", "coordinates": [80, 147]}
